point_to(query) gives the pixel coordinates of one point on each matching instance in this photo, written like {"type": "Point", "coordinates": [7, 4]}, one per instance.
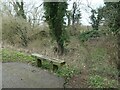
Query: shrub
{"type": "Point", "coordinates": [15, 30]}
{"type": "Point", "coordinates": [89, 34]}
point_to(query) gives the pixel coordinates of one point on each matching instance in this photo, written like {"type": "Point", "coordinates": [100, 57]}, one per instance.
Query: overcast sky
{"type": "Point", "coordinates": [85, 11]}
{"type": "Point", "coordinates": [94, 4]}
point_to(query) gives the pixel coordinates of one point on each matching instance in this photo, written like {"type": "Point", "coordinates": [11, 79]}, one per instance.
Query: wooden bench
{"type": "Point", "coordinates": [55, 62]}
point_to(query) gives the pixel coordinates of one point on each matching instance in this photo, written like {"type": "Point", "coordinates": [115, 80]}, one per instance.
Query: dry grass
{"type": "Point", "coordinates": [94, 57]}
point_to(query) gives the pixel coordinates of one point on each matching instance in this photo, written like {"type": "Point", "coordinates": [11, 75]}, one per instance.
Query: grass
{"type": "Point", "coordinates": [102, 74]}
{"type": "Point", "coordinates": [100, 63]}
{"type": "Point", "coordinates": [64, 71]}
{"type": "Point", "coordinates": [67, 71]}
{"type": "Point", "coordinates": [9, 55]}
{"type": "Point", "coordinates": [97, 81]}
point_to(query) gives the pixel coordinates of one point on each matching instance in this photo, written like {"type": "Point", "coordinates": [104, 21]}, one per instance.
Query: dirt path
{"type": "Point", "coordinates": [19, 75]}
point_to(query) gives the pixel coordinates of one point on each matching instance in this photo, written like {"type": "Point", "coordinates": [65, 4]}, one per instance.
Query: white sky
{"type": "Point", "coordinates": [84, 9]}
{"type": "Point", "coordinates": [94, 4]}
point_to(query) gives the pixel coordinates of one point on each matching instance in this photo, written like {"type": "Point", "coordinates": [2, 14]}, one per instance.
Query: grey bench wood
{"type": "Point", "coordinates": [55, 62]}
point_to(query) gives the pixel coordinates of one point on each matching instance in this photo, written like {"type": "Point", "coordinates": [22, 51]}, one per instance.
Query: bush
{"type": "Point", "coordinates": [89, 34]}
{"type": "Point", "coordinates": [15, 30]}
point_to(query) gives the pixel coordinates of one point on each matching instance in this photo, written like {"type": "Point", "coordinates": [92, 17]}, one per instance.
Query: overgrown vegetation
{"type": "Point", "coordinates": [85, 55]}
{"type": "Point", "coordinates": [112, 19]}
{"type": "Point", "coordinates": [98, 56]}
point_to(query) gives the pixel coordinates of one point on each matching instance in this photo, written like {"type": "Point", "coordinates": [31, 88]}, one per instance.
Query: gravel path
{"type": "Point", "coordinates": [20, 75]}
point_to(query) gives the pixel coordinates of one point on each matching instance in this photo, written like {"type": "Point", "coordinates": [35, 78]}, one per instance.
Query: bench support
{"type": "Point", "coordinates": [55, 62]}
{"type": "Point", "coordinates": [55, 67]}
{"type": "Point", "coordinates": [39, 63]}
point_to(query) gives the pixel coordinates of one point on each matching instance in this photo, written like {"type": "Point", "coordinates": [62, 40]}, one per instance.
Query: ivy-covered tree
{"type": "Point", "coordinates": [54, 14]}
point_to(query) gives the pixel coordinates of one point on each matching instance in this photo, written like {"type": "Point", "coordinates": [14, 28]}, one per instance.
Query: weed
{"type": "Point", "coordinates": [46, 65]}
{"type": "Point", "coordinates": [67, 72]}
{"type": "Point", "coordinates": [100, 63]}
{"type": "Point", "coordinates": [101, 82]}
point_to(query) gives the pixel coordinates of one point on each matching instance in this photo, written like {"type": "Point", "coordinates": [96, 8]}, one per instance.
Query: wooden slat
{"type": "Point", "coordinates": [55, 61]}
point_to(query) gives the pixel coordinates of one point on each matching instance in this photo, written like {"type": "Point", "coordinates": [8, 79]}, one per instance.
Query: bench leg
{"type": "Point", "coordinates": [39, 63]}
{"type": "Point", "coordinates": [55, 67]}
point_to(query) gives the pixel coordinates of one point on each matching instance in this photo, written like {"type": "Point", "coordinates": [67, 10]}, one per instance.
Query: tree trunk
{"type": "Point", "coordinates": [58, 35]}
{"type": "Point", "coordinates": [60, 43]}
{"type": "Point", "coordinates": [69, 20]}
{"type": "Point", "coordinates": [60, 48]}
{"type": "Point", "coordinates": [73, 19]}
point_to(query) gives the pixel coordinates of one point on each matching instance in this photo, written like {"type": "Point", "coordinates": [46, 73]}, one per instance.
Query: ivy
{"type": "Point", "coordinates": [54, 14]}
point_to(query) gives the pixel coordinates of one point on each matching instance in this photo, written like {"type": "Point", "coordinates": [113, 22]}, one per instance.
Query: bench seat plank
{"type": "Point", "coordinates": [46, 58]}
{"type": "Point", "coordinates": [55, 62]}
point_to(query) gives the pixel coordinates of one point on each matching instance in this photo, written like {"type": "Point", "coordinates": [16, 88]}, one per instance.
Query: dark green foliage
{"type": "Point", "coordinates": [88, 35]}
{"type": "Point", "coordinates": [54, 14]}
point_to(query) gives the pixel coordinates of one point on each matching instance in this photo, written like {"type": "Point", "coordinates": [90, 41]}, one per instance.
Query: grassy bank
{"type": "Point", "coordinates": [94, 60]}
